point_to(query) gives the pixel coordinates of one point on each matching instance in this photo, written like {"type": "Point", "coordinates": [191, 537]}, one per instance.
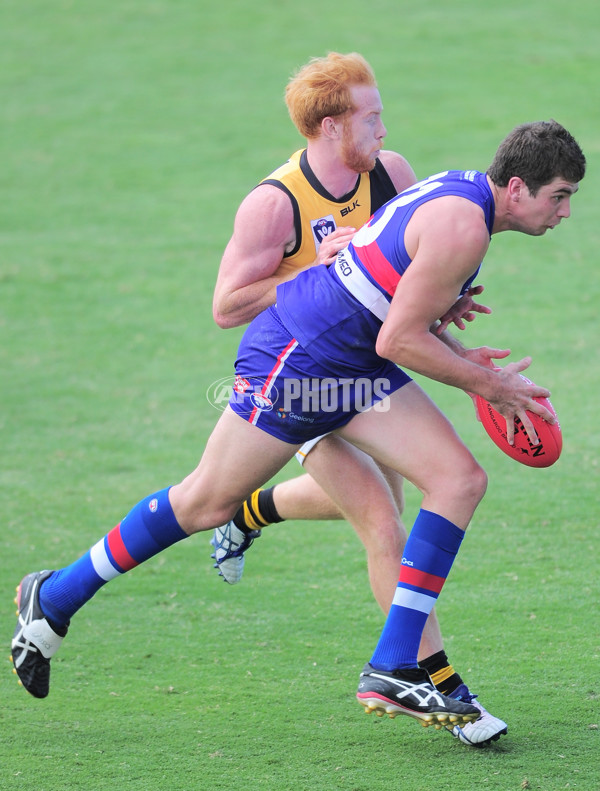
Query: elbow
{"type": "Point", "coordinates": [384, 346]}
{"type": "Point", "coordinates": [224, 315]}
{"type": "Point", "coordinates": [390, 347]}
{"type": "Point", "coordinates": [224, 320]}
{"type": "Point", "coordinates": [219, 318]}
{"type": "Point", "coordinates": [381, 347]}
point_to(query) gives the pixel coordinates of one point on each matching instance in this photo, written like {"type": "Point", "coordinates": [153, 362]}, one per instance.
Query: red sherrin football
{"type": "Point", "coordinates": [523, 451]}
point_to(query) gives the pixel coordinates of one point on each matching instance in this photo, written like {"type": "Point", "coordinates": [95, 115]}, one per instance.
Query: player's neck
{"type": "Point", "coordinates": [330, 170]}
{"type": "Point", "coordinates": [501, 208]}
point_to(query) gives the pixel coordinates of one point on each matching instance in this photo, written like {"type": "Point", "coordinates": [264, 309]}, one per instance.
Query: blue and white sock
{"type": "Point", "coordinates": [428, 556]}
{"type": "Point", "coordinates": [147, 529]}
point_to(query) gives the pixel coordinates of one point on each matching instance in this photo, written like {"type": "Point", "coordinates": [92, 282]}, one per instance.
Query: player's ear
{"type": "Point", "coordinates": [331, 127]}
{"type": "Point", "coordinates": [516, 188]}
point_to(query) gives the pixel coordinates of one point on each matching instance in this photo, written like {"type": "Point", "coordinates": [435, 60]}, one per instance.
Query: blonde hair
{"type": "Point", "coordinates": [321, 88]}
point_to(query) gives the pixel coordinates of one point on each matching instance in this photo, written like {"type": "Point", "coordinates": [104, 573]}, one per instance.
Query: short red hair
{"type": "Point", "coordinates": [321, 88]}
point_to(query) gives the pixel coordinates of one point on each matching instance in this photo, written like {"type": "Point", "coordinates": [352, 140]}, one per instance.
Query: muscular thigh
{"type": "Point", "coordinates": [349, 476]}
{"type": "Point", "coordinates": [411, 436]}
{"type": "Point", "coordinates": [237, 459]}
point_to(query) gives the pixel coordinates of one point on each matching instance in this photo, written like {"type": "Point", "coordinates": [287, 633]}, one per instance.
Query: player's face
{"type": "Point", "coordinates": [363, 130]}
{"type": "Point", "coordinates": [546, 209]}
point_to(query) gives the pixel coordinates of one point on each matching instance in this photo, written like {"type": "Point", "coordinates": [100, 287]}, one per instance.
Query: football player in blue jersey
{"type": "Point", "coordinates": [301, 215]}
{"type": "Point", "coordinates": [373, 312]}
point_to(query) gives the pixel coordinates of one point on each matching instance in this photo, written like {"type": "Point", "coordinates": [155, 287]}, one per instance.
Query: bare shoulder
{"type": "Point", "coordinates": [265, 212]}
{"type": "Point", "coordinates": [398, 169]}
{"type": "Point", "coordinates": [451, 222]}
{"type": "Point", "coordinates": [267, 200]}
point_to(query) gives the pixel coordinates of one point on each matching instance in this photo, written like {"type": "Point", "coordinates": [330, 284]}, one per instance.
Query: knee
{"type": "Point", "coordinates": [382, 533]}
{"type": "Point", "coordinates": [462, 481]}
{"type": "Point", "coordinates": [195, 513]}
{"type": "Point", "coordinates": [474, 484]}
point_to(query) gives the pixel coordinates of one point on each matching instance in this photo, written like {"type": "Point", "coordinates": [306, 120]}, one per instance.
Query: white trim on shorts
{"type": "Point", "coordinates": [307, 447]}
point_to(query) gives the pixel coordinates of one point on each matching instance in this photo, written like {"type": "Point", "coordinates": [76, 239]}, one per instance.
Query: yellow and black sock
{"type": "Point", "coordinates": [257, 511]}
{"type": "Point", "coordinates": [442, 674]}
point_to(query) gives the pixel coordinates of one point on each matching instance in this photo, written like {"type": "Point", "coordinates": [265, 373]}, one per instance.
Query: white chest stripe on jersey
{"type": "Point", "coordinates": [360, 286]}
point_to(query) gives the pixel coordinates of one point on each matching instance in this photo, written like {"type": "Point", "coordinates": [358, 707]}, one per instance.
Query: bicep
{"type": "Point", "coordinates": [245, 263]}
{"type": "Point", "coordinates": [421, 298]}
{"type": "Point", "coordinates": [247, 279]}
{"type": "Point", "coordinates": [442, 261]}
{"type": "Point", "coordinates": [263, 227]}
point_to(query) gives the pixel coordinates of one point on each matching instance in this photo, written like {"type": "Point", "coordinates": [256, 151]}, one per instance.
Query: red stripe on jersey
{"type": "Point", "coordinates": [378, 267]}
{"type": "Point", "coordinates": [118, 549]}
{"type": "Point", "coordinates": [419, 579]}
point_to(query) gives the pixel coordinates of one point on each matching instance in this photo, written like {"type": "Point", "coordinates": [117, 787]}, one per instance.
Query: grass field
{"type": "Point", "coordinates": [130, 132]}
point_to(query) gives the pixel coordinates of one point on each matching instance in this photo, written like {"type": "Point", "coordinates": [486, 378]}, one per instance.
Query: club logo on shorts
{"type": "Point", "coordinates": [240, 384]}
{"type": "Point", "coordinates": [153, 505]}
{"type": "Point", "coordinates": [261, 401]}
{"type": "Point", "coordinates": [248, 392]}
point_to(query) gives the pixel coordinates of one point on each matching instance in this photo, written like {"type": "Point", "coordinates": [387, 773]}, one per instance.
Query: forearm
{"type": "Point", "coordinates": [442, 359]}
{"type": "Point", "coordinates": [234, 307]}
{"type": "Point", "coordinates": [447, 338]}
{"type": "Point", "coordinates": [239, 307]}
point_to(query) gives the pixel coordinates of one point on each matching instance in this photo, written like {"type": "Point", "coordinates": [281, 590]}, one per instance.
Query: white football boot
{"type": "Point", "coordinates": [485, 730]}
{"type": "Point", "coordinates": [230, 544]}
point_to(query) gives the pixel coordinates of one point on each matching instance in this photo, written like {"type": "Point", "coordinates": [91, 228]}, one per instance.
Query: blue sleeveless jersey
{"type": "Point", "coordinates": [335, 312]}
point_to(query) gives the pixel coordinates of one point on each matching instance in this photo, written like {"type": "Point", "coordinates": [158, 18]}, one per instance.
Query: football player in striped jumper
{"type": "Point", "coordinates": [302, 214]}
{"type": "Point", "coordinates": [335, 360]}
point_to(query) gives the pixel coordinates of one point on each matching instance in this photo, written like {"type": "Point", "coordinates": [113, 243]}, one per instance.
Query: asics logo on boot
{"type": "Point", "coordinates": [39, 640]}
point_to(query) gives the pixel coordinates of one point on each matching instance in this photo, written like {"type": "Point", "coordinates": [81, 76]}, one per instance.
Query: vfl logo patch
{"type": "Point", "coordinates": [322, 228]}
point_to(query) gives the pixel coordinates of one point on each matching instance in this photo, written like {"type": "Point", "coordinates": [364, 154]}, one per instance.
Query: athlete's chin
{"type": "Point", "coordinates": [370, 164]}
{"type": "Point", "coordinates": [362, 165]}
{"type": "Point", "coordinates": [539, 231]}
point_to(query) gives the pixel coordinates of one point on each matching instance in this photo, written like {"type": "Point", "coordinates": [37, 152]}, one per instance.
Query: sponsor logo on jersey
{"type": "Point", "coordinates": [342, 264]}
{"type": "Point", "coordinates": [347, 209]}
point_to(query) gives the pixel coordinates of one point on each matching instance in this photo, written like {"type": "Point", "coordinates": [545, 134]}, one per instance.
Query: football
{"type": "Point", "coordinates": [524, 451]}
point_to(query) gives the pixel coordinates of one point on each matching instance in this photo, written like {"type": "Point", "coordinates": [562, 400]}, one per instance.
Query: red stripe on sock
{"type": "Point", "coordinates": [420, 579]}
{"type": "Point", "coordinates": [118, 549]}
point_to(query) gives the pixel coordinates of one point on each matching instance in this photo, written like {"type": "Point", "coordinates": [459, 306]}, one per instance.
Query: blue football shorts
{"type": "Point", "coordinates": [282, 390]}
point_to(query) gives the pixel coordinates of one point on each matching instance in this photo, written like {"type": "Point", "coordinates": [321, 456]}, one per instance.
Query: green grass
{"type": "Point", "coordinates": [130, 132]}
